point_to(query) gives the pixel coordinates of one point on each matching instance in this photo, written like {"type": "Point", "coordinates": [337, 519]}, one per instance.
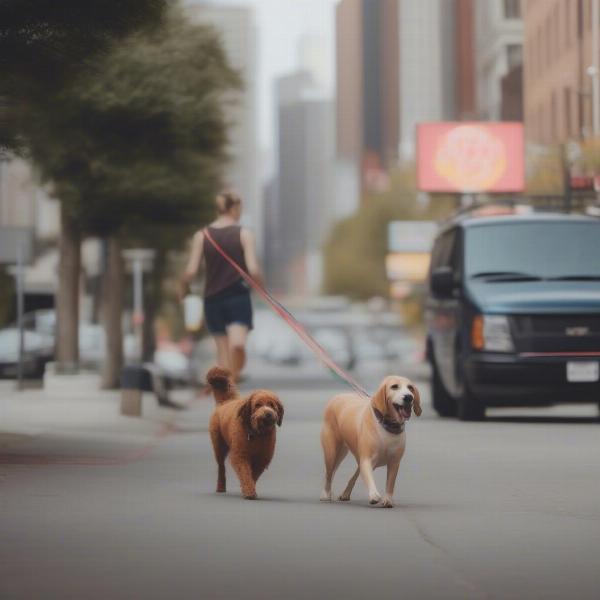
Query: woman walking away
{"type": "Point", "coordinates": [227, 305]}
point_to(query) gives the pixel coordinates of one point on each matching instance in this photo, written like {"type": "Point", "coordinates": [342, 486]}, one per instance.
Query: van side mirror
{"type": "Point", "coordinates": [442, 282]}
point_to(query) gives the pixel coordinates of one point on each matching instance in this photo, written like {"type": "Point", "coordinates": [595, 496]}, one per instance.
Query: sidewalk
{"type": "Point", "coordinates": [34, 422]}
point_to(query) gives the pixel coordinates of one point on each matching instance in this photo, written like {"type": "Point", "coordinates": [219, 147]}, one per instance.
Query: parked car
{"type": "Point", "coordinates": [513, 312]}
{"type": "Point", "coordinates": [38, 350]}
{"type": "Point", "coordinates": [39, 331]}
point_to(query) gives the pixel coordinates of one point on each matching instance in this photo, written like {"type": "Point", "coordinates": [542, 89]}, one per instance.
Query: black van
{"type": "Point", "coordinates": [513, 312]}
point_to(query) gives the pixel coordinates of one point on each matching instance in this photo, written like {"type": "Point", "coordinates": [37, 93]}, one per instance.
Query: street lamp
{"type": "Point", "coordinates": [139, 260]}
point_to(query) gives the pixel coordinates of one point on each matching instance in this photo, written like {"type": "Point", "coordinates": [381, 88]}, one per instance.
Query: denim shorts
{"type": "Point", "coordinates": [221, 312]}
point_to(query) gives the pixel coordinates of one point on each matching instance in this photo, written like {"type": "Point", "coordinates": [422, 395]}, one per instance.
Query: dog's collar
{"type": "Point", "coordinates": [390, 426]}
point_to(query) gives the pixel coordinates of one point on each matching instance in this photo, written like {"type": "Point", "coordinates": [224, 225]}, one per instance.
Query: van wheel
{"type": "Point", "coordinates": [469, 408]}
{"type": "Point", "coordinates": [443, 403]}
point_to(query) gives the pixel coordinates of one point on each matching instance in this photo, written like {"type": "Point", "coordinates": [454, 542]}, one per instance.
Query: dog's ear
{"type": "Point", "coordinates": [417, 399]}
{"type": "Point", "coordinates": [245, 413]}
{"type": "Point", "coordinates": [380, 400]}
{"type": "Point", "coordinates": [278, 406]}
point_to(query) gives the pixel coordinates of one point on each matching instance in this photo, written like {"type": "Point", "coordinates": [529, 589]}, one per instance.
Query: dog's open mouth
{"type": "Point", "coordinates": [403, 411]}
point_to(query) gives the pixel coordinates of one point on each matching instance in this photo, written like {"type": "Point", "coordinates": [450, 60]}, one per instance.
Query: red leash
{"type": "Point", "coordinates": [291, 321]}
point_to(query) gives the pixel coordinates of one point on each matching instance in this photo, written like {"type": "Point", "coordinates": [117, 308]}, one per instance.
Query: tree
{"type": "Point", "coordinates": [355, 252]}
{"type": "Point", "coordinates": [545, 171]}
{"type": "Point", "coordinates": [46, 44]}
{"type": "Point", "coordinates": [140, 141]}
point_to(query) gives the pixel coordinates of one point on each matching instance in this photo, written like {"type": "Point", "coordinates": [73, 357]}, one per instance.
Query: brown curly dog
{"type": "Point", "coordinates": [244, 428]}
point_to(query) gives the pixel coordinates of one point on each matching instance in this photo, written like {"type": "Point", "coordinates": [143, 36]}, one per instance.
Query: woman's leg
{"type": "Point", "coordinates": [237, 335]}
{"type": "Point", "coordinates": [223, 357]}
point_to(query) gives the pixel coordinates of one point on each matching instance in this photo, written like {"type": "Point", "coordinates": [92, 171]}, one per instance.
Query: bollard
{"type": "Point", "coordinates": [131, 403]}
{"type": "Point", "coordinates": [135, 379]}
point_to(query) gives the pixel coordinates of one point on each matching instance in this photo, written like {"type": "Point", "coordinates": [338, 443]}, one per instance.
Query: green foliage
{"type": "Point", "coordinates": [590, 156]}
{"type": "Point", "coordinates": [141, 138]}
{"type": "Point", "coordinates": [545, 172]}
{"type": "Point", "coordinates": [46, 44]}
{"type": "Point", "coordinates": [355, 253]}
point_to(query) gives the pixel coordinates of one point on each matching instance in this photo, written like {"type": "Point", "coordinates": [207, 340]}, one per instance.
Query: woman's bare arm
{"type": "Point", "coordinates": [193, 263]}
{"type": "Point", "coordinates": [249, 246]}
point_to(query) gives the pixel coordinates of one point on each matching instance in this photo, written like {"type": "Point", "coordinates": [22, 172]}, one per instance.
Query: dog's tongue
{"type": "Point", "coordinates": [405, 413]}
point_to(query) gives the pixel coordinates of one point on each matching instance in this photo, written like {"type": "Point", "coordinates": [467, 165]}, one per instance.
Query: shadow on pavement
{"type": "Point", "coordinates": [545, 419]}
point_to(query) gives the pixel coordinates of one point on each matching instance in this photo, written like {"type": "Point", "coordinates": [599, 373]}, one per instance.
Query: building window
{"type": "Point", "coordinates": [540, 52]}
{"type": "Point", "coordinates": [567, 112]}
{"type": "Point", "coordinates": [548, 35]}
{"type": "Point", "coordinates": [567, 5]}
{"type": "Point", "coordinates": [512, 9]}
{"type": "Point", "coordinates": [553, 118]}
{"type": "Point", "coordinates": [558, 41]}
{"type": "Point", "coordinates": [514, 55]}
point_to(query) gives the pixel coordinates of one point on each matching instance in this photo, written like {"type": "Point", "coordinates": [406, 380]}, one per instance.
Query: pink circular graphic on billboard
{"type": "Point", "coordinates": [470, 158]}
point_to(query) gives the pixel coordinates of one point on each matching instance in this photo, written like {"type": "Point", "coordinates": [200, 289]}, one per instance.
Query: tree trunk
{"type": "Point", "coordinates": [67, 297]}
{"type": "Point", "coordinates": [153, 295]}
{"type": "Point", "coordinates": [112, 314]}
{"type": "Point", "coordinates": [148, 337]}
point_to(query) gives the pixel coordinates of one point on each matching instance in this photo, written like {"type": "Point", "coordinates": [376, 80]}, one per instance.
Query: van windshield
{"type": "Point", "coordinates": [529, 251]}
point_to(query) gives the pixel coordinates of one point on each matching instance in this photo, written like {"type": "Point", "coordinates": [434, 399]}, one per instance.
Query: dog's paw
{"type": "Point", "coordinates": [344, 498]}
{"type": "Point", "coordinates": [250, 496]}
{"type": "Point", "coordinates": [387, 502]}
{"type": "Point", "coordinates": [374, 498]}
{"type": "Point", "coordinates": [325, 496]}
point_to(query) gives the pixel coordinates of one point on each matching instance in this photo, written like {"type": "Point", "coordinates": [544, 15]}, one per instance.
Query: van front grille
{"type": "Point", "coordinates": [556, 333]}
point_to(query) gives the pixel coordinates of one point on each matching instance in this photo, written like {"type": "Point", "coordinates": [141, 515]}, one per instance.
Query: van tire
{"type": "Point", "coordinates": [469, 408]}
{"type": "Point", "coordinates": [443, 403]}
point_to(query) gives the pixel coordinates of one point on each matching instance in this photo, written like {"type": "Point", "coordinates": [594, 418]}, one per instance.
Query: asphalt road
{"type": "Point", "coordinates": [509, 508]}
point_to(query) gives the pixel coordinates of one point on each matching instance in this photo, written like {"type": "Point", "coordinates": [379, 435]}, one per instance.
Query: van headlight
{"type": "Point", "coordinates": [492, 333]}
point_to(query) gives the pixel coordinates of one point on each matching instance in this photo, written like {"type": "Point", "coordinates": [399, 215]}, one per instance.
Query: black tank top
{"type": "Point", "coordinates": [221, 278]}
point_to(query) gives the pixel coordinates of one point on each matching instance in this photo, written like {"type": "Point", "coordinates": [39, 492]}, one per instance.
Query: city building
{"type": "Point", "coordinates": [367, 81]}
{"type": "Point", "coordinates": [498, 51]}
{"type": "Point", "coordinates": [428, 66]}
{"type": "Point", "coordinates": [237, 27]}
{"type": "Point", "coordinates": [398, 63]}
{"type": "Point", "coordinates": [300, 204]}
{"type": "Point", "coordinates": [466, 101]}
{"type": "Point", "coordinates": [557, 86]}
{"type": "Point", "coordinates": [24, 203]}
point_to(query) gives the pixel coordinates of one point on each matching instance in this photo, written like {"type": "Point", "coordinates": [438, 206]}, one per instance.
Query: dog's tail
{"type": "Point", "coordinates": [222, 385]}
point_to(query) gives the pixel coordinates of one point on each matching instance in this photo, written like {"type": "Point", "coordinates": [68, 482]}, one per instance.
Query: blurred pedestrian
{"type": "Point", "coordinates": [227, 304]}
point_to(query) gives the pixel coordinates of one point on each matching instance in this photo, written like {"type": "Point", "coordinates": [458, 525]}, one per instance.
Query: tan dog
{"type": "Point", "coordinates": [373, 431]}
{"type": "Point", "coordinates": [244, 428]}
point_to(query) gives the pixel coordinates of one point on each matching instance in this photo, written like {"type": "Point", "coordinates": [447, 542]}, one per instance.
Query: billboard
{"type": "Point", "coordinates": [407, 266]}
{"type": "Point", "coordinates": [470, 157]}
{"type": "Point", "coordinates": [411, 236]}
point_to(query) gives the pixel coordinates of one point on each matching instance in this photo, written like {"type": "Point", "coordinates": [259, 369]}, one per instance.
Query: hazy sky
{"type": "Point", "coordinates": [281, 24]}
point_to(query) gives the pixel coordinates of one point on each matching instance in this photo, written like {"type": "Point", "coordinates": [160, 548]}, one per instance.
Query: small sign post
{"type": "Point", "coordinates": [139, 260]}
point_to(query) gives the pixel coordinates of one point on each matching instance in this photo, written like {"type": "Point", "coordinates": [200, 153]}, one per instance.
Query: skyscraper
{"type": "Point", "coordinates": [237, 27]}
{"type": "Point", "coordinates": [300, 203]}
{"type": "Point", "coordinates": [428, 66]}
{"type": "Point", "coordinates": [498, 48]}
{"type": "Point", "coordinates": [466, 102]}
{"type": "Point", "coordinates": [367, 77]}
{"type": "Point", "coordinates": [558, 87]}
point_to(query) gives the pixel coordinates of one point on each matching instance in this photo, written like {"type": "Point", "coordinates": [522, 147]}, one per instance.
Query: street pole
{"type": "Point", "coordinates": [20, 312]}
{"type": "Point", "coordinates": [139, 259]}
{"type": "Point", "coordinates": [566, 167]}
{"type": "Point", "coordinates": [138, 301]}
{"type": "Point", "coordinates": [594, 67]}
